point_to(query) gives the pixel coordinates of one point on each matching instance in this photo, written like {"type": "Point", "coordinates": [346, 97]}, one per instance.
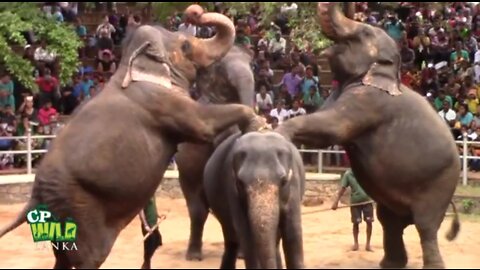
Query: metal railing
{"type": "Point", "coordinates": [320, 152]}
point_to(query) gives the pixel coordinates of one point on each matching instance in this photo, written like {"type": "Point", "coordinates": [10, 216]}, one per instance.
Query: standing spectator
{"type": "Point", "coordinates": [421, 46]}
{"type": "Point", "coordinates": [82, 34]}
{"type": "Point", "coordinates": [8, 117]}
{"type": "Point", "coordinates": [44, 57]}
{"type": "Point", "coordinates": [68, 100]}
{"type": "Point", "coordinates": [296, 110]}
{"type": "Point", "coordinates": [242, 39]}
{"type": "Point", "coordinates": [58, 16]}
{"type": "Point", "coordinates": [279, 112]}
{"type": "Point", "coordinates": [394, 27]}
{"type": "Point", "coordinates": [105, 26]}
{"type": "Point", "coordinates": [277, 47]}
{"type": "Point", "coordinates": [6, 91]}
{"type": "Point", "coordinates": [28, 114]}
{"type": "Point", "coordinates": [308, 82]}
{"type": "Point", "coordinates": [187, 28]}
{"type": "Point", "coordinates": [48, 86]}
{"type": "Point", "coordinates": [357, 196]}
{"type": "Point", "coordinates": [291, 80]}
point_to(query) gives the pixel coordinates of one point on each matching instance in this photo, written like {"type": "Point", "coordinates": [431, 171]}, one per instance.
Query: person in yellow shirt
{"type": "Point", "coordinates": [472, 101]}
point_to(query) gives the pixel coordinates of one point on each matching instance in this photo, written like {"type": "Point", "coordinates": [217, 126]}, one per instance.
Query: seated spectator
{"type": "Point", "coordinates": [242, 24]}
{"type": "Point", "coordinates": [68, 100]}
{"type": "Point", "coordinates": [447, 114]}
{"type": "Point", "coordinates": [312, 100]}
{"type": "Point", "coordinates": [277, 47]}
{"type": "Point", "coordinates": [45, 113]}
{"type": "Point", "coordinates": [48, 86]}
{"type": "Point", "coordinates": [476, 118]}
{"type": "Point", "coordinates": [242, 40]}
{"type": "Point", "coordinates": [7, 116]}
{"type": "Point", "coordinates": [296, 110]}
{"type": "Point", "coordinates": [6, 160]}
{"type": "Point", "coordinates": [28, 114]}
{"type": "Point", "coordinates": [263, 100]}
{"type": "Point", "coordinates": [464, 116]}
{"type": "Point", "coordinates": [441, 47]}
{"type": "Point", "coordinates": [105, 26]}
{"type": "Point", "coordinates": [81, 31]}
{"type": "Point", "coordinates": [441, 98]}
{"type": "Point", "coordinates": [458, 56]}
{"type": "Point", "coordinates": [106, 63]}
{"type": "Point", "coordinates": [6, 91]}
{"type": "Point", "coordinates": [471, 45]}
{"type": "Point", "coordinates": [279, 112]}
{"type": "Point", "coordinates": [472, 101]}
{"type": "Point", "coordinates": [407, 55]}
{"type": "Point", "coordinates": [285, 96]}
{"type": "Point", "coordinates": [465, 71]}
{"type": "Point", "coordinates": [429, 79]}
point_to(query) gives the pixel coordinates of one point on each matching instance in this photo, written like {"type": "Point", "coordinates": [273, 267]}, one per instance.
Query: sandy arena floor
{"type": "Point", "coordinates": [327, 240]}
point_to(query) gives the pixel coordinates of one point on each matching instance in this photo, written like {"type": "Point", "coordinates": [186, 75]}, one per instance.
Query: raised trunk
{"type": "Point", "coordinates": [216, 47]}
{"type": "Point", "coordinates": [334, 24]}
{"type": "Point", "coordinates": [264, 215]}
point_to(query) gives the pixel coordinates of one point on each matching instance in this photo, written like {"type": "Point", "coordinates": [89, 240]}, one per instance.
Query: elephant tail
{"type": "Point", "coordinates": [455, 227]}
{"type": "Point", "coordinates": [20, 219]}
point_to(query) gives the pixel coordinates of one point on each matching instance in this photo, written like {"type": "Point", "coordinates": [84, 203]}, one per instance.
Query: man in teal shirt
{"type": "Point", "coordinates": [363, 204]}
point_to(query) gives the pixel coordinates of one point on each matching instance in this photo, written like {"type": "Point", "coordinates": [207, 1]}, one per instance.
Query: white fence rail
{"type": "Point", "coordinates": [320, 152]}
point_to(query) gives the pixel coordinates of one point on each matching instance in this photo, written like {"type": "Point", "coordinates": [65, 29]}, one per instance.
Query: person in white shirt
{"type": "Point", "coordinates": [277, 46]}
{"type": "Point", "coordinates": [279, 112]}
{"type": "Point", "coordinates": [296, 110]}
{"type": "Point", "coordinates": [476, 66]}
{"type": "Point", "coordinates": [263, 100]}
{"type": "Point", "coordinates": [188, 28]}
{"type": "Point", "coordinates": [105, 26]}
{"type": "Point", "coordinates": [41, 53]}
{"type": "Point", "coordinates": [447, 114]}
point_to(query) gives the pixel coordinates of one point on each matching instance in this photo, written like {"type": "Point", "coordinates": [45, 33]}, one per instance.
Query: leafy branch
{"type": "Point", "coordinates": [19, 17]}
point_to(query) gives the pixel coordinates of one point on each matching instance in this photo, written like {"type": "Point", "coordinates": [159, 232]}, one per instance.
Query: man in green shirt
{"type": "Point", "coordinates": [149, 218]}
{"type": "Point", "coordinates": [363, 205]}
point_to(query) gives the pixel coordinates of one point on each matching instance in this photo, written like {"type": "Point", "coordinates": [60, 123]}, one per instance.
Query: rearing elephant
{"type": "Point", "coordinates": [108, 161]}
{"type": "Point", "coordinates": [230, 80]}
{"type": "Point", "coordinates": [400, 150]}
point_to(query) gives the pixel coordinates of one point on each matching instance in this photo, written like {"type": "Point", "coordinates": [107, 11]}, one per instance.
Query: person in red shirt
{"type": "Point", "coordinates": [48, 86]}
{"type": "Point", "coordinates": [46, 112]}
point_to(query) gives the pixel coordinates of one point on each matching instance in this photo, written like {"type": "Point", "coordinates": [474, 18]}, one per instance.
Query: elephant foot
{"type": "Point", "coordinates": [387, 263]}
{"type": "Point", "coordinates": [434, 265]}
{"type": "Point", "coordinates": [146, 265]}
{"type": "Point", "coordinates": [194, 255]}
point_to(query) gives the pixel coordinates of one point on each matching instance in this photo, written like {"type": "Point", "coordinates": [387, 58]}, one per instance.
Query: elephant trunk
{"type": "Point", "coordinates": [216, 47]}
{"type": "Point", "coordinates": [334, 24]}
{"type": "Point", "coordinates": [264, 215]}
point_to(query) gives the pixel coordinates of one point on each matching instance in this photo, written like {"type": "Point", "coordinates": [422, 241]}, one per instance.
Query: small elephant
{"type": "Point", "coordinates": [254, 184]}
{"type": "Point", "coordinates": [108, 161]}
{"type": "Point", "coordinates": [402, 153]}
{"type": "Point", "coordinates": [229, 80]}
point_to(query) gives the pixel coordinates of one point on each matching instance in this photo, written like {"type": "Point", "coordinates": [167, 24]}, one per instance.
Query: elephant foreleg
{"type": "Point", "coordinates": [342, 121]}
{"type": "Point", "coordinates": [198, 212]}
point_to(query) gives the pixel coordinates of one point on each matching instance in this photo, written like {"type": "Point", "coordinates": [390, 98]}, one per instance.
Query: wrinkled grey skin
{"type": "Point", "coordinates": [401, 152]}
{"type": "Point", "coordinates": [108, 161]}
{"type": "Point", "coordinates": [230, 80]}
{"type": "Point", "coordinates": [254, 185]}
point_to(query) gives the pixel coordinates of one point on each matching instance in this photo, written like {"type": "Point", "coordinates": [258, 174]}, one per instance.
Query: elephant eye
{"type": "Point", "coordinates": [186, 47]}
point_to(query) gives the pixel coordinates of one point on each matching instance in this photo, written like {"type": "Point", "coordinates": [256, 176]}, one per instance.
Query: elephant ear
{"type": "Point", "coordinates": [377, 78]}
{"type": "Point", "coordinates": [147, 64]}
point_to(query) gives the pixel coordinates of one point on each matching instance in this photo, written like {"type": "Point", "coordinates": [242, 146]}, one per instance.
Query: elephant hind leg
{"type": "Point", "coordinates": [427, 222]}
{"type": "Point", "coordinates": [61, 260]}
{"type": "Point", "coordinates": [394, 248]}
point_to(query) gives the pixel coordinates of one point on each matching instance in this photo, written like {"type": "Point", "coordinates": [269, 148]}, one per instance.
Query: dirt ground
{"type": "Point", "coordinates": [327, 240]}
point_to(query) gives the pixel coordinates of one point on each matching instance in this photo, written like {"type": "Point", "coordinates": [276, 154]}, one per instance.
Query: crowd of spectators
{"type": "Point", "coordinates": [439, 50]}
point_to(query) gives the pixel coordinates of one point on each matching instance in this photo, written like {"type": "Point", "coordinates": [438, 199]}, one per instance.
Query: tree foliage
{"type": "Point", "coordinates": [19, 17]}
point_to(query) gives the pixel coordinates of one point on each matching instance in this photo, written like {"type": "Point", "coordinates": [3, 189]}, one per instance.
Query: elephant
{"type": "Point", "coordinates": [400, 150]}
{"type": "Point", "coordinates": [229, 80]}
{"type": "Point", "coordinates": [102, 180]}
{"type": "Point", "coordinates": [254, 184]}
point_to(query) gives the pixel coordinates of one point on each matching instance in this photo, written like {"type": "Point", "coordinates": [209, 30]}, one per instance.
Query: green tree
{"type": "Point", "coordinates": [18, 17]}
